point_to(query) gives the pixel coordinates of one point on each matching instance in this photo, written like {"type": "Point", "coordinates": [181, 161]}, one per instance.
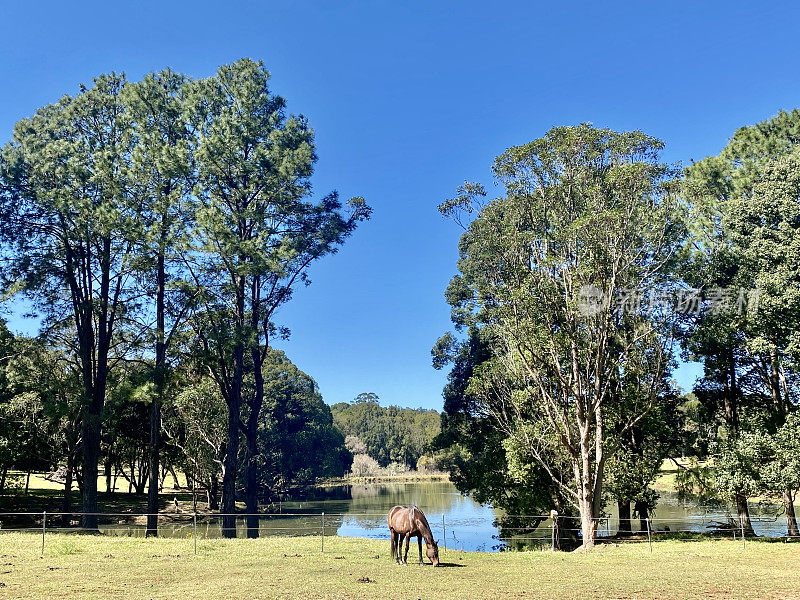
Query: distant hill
{"type": "Point", "coordinates": [389, 434]}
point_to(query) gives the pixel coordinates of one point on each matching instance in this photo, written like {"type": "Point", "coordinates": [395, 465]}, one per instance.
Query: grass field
{"type": "Point", "coordinates": [83, 567]}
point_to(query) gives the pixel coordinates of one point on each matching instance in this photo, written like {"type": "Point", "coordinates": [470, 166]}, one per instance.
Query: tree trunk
{"type": "Point", "coordinates": [229, 476]}
{"type": "Point", "coordinates": [256, 402]}
{"type": "Point", "coordinates": [213, 494]}
{"type": "Point", "coordinates": [3, 478]}
{"type": "Point", "coordinates": [109, 469]}
{"type": "Point", "coordinates": [234, 401]}
{"type": "Point", "coordinates": [92, 433]}
{"type": "Point", "coordinates": [91, 454]}
{"type": "Point", "coordinates": [744, 514]}
{"type": "Point", "coordinates": [624, 510]}
{"type": "Point", "coordinates": [731, 405]}
{"type": "Point", "coordinates": [251, 494]}
{"type": "Point", "coordinates": [231, 456]}
{"type": "Point", "coordinates": [588, 524]}
{"type": "Point", "coordinates": [175, 478]}
{"type": "Point", "coordinates": [155, 408]}
{"type": "Point", "coordinates": [27, 482]}
{"type": "Point", "coordinates": [791, 519]}
{"type": "Point", "coordinates": [141, 482]}
{"type": "Point", "coordinates": [66, 507]}
{"type": "Point", "coordinates": [643, 512]}
{"type": "Point", "coordinates": [152, 489]}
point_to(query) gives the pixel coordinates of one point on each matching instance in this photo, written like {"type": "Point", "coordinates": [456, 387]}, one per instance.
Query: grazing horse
{"type": "Point", "coordinates": [405, 522]}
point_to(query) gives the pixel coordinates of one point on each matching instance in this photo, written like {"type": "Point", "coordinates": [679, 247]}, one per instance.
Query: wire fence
{"type": "Point", "coordinates": [514, 531]}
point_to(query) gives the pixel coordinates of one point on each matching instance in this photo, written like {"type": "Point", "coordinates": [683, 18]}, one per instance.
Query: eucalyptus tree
{"type": "Point", "coordinates": [257, 232]}
{"type": "Point", "coordinates": [66, 217]}
{"type": "Point", "coordinates": [476, 444]}
{"type": "Point", "coordinates": [762, 462]}
{"type": "Point", "coordinates": [160, 179]}
{"type": "Point", "coordinates": [195, 423]}
{"type": "Point", "coordinates": [567, 276]}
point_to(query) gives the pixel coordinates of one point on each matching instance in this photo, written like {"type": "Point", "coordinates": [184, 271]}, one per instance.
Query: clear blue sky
{"type": "Point", "coordinates": [409, 99]}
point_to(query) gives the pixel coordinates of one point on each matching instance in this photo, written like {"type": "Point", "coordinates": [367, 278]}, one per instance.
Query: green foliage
{"type": "Point", "coordinates": [40, 404]}
{"type": "Point", "coordinates": [390, 434]}
{"type": "Point", "coordinates": [696, 480]}
{"type": "Point", "coordinates": [585, 210]}
{"type": "Point", "coordinates": [298, 442]}
{"type": "Point", "coordinates": [195, 423]}
{"type": "Point", "coordinates": [760, 463]}
{"type": "Point", "coordinates": [745, 205]}
{"type": "Point", "coordinates": [482, 460]}
{"type": "Point", "coordinates": [134, 209]}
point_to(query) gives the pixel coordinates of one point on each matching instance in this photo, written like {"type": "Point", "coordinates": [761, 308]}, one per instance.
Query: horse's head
{"type": "Point", "coordinates": [432, 552]}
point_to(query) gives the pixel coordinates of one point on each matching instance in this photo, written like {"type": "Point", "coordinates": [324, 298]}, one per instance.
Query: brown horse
{"type": "Point", "coordinates": [405, 522]}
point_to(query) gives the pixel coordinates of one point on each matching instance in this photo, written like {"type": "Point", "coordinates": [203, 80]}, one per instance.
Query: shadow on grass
{"type": "Point", "coordinates": [39, 500]}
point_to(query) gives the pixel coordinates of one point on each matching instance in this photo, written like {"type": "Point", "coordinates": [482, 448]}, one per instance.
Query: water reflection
{"type": "Point", "coordinates": [457, 521]}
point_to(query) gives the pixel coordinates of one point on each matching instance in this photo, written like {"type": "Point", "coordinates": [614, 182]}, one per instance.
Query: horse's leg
{"type": "Point", "coordinates": [408, 542]}
{"type": "Point", "coordinates": [419, 543]}
{"type": "Point", "coordinates": [392, 542]}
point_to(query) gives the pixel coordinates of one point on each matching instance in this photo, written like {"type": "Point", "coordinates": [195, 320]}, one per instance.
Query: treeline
{"type": "Point", "coordinates": [382, 436]}
{"type": "Point", "coordinates": [579, 286]}
{"type": "Point", "coordinates": [40, 416]}
{"type": "Point", "coordinates": [156, 227]}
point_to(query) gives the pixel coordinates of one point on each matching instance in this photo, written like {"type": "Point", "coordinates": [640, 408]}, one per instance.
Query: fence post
{"type": "Point", "coordinates": [553, 528]}
{"type": "Point", "coordinates": [194, 529]}
{"type": "Point", "coordinates": [323, 532]}
{"type": "Point", "coordinates": [742, 526]}
{"type": "Point", "coordinates": [44, 528]}
{"type": "Point", "coordinates": [444, 533]}
{"type": "Point", "coordinates": [649, 539]}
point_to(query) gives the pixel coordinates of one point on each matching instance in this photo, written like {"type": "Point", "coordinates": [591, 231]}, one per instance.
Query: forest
{"type": "Point", "coordinates": [400, 439]}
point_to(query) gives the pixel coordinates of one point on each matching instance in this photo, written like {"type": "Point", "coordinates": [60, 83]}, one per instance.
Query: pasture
{"type": "Point", "coordinates": [82, 567]}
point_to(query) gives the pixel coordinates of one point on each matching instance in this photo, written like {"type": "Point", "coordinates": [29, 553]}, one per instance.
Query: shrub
{"type": "Point", "coordinates": [396, 468]}
{"type": "Point", "coordinates": [365, 466]}
{"type": "Point", "coordinates": [427, 462]}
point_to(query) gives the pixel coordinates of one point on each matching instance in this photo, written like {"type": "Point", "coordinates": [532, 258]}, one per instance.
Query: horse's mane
{"type": "Point", "coordinates": [423, 519]}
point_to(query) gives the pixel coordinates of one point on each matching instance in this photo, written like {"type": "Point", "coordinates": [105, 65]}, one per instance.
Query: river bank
{"type": "Point", "coordinates": [407, 477]}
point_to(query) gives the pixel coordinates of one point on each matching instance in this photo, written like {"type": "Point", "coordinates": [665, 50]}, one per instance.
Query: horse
{"type": "Point", "coordinates": [405, 522]}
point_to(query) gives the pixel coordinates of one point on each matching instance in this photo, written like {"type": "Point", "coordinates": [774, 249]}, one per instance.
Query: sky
{"type": "Point", "coordinates": [408, 100]}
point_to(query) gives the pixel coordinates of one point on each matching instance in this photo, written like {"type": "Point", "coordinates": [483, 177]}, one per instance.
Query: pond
{"type": "Point", "coordinates": [457, 521]}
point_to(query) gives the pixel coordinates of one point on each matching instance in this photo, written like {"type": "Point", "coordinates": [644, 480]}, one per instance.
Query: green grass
{"type": "Point", "coordinates": [83, 567]}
